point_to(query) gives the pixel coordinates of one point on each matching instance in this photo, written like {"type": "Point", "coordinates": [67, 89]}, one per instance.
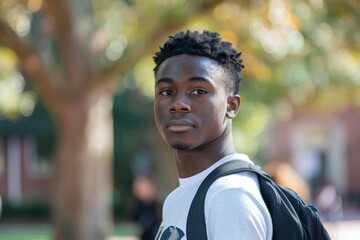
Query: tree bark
{"type": "Point", "coordinates": [83, 182]}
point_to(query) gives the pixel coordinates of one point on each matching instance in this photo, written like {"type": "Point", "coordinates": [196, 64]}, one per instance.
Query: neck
{"type": "Point", "coordinates": [191, 162]}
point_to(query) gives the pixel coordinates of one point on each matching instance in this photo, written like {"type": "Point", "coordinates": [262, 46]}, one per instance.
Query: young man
{"type": "Point", "coordinates": [196, 97]}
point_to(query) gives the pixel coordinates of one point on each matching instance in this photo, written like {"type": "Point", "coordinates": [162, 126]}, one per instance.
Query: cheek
{"type": "Point", "coordinates": [158, 115]}
{"type": "Point", "coordinates": [218, 112]}
{"type": "Point", "coordinates": [215, 119]}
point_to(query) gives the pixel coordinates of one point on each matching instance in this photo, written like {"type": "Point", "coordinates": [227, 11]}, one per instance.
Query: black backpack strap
{"type": "Point", "coordinates": [285, 207]}
{"type": "Point", "coordinates": [196, 227]}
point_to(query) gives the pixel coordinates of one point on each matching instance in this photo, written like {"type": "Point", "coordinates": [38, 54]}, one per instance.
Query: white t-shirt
{"type": "Point", "coordinates": [234, 208]}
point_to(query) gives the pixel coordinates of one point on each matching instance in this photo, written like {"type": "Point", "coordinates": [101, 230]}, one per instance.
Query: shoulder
{"type": "Point", "coordinates": [234, 205]}
{"type": "Point", "coordinates": [170, 198]}
{"type": "Point", "coordinates": [237, 196]}
{"type": "Point", "coordinates": [238, 191]}
{"type": "Point", "coordinates": [245, 182]}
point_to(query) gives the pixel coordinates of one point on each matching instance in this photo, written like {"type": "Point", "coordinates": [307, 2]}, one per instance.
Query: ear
{"type": "Point", "coordinates": [233, 106]}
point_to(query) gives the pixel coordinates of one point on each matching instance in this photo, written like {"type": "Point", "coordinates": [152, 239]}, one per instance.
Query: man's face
{"type": "Point", "coordinates": [190, 101]}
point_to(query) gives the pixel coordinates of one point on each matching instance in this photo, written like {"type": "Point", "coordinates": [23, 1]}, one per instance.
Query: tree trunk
{"type": "Point", "coordinates": [82, 183]}
{"type": "Point", "coordinates": [83, 177]}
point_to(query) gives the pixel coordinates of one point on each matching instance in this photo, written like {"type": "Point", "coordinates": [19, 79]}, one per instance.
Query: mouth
{"type": "Point", "coordinates": [179, 126]}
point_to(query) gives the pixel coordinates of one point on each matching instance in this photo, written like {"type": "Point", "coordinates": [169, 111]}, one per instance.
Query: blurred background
{"type": "Point", "coordinates": [76, 95]}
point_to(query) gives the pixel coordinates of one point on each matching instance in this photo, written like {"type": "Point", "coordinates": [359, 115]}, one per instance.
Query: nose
{"type": "Point", "coordinates": [180, 104]}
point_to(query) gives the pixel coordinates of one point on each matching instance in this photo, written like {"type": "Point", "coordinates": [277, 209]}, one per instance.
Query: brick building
{"type": "Point", "coordinates": [322, 147]}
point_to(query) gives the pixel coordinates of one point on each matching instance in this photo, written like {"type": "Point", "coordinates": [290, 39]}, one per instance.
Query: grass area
{"type": "Point", "coordinates": [44, 232]}
{"type": "Point", "coordinates": [25, 232]}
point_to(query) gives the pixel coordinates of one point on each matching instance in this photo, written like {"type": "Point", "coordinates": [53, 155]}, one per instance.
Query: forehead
{"type": "Point", "coordinates": [186, 65]}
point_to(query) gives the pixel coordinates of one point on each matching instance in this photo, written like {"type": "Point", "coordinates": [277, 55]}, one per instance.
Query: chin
{"type": "Point", "coordinates": [180, 146]}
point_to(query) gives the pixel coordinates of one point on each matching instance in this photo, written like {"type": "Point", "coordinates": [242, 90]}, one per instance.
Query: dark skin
{"type": "Point", "coordinates": [194, 107]}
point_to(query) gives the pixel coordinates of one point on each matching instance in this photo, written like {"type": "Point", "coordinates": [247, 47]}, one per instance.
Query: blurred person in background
{"type": "Point", "coordinates": [329, 202]}
{"type": "Point", "coordinates": [146, 209]}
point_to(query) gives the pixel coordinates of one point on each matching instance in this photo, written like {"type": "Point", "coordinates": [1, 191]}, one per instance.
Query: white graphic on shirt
{"type": "Point", "coordinates": [170, 233]}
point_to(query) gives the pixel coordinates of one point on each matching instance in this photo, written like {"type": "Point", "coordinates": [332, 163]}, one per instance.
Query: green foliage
{"type": "Point", "coordinates": [39, 126]}
{"type": "Point", "coordinates": [26, 210]}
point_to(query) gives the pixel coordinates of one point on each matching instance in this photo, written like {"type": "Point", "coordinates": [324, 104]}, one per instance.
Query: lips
{"type": "Point", "coordinates": [179, 126]}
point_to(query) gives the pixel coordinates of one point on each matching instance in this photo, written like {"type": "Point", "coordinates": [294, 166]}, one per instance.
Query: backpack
{"type": "Point", "coordinates": [291, 217]}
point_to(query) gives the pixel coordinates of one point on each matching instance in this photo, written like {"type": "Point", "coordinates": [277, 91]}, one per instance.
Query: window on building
{"type": "Point", "coordinates": [36, 166]}
{"type": "Point", "coordinates": [2, 158]}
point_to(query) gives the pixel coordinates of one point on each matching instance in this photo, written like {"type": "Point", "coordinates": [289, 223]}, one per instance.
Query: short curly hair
{"type": "Point", "coordinates": [207, 44]}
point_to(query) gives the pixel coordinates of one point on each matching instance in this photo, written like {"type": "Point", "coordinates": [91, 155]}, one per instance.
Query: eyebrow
{"type": "Point", "coordinates": [193, 79]}
{"type": "Point", "coordinates": [164, 80]}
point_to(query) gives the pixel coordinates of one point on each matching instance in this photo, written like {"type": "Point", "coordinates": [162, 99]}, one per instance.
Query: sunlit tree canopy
{"type": "Point", "coordinates": [298, 54]}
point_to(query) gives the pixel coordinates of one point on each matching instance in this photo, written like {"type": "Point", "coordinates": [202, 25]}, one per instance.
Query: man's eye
{"type": "Point", "coordinates": [166, 92]}
{"type": "Point", "coordinates": [199, 92]}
